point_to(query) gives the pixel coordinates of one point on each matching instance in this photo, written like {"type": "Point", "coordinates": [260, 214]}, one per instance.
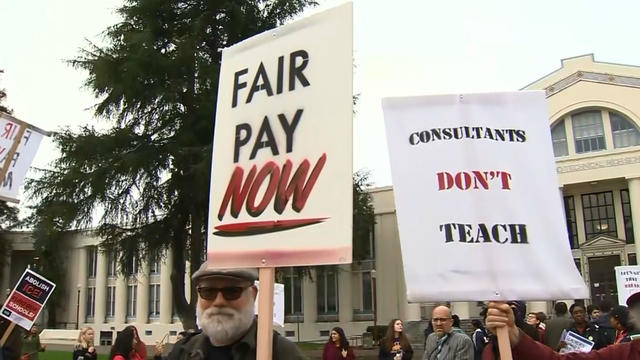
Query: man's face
{"type": "Point", "coordinates": [442, 322]}
{"type": "Point", "coordinates": [225, 308]}
{"type": "Point", "coordinates": [578, 315]}
{"type": "Point", "coordinates": [532, 319]}
{"type": "Point", "coordinates": [595, 314]}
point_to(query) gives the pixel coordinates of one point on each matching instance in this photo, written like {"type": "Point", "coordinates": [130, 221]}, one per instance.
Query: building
{"type": "Point", "coordinates": [594, 117]}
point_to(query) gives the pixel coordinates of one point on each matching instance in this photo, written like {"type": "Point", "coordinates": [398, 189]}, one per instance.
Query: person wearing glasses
{"type": "Point", "coordinates": [225, 313]}
{"type": "Point", "coordinates": [444, 344]}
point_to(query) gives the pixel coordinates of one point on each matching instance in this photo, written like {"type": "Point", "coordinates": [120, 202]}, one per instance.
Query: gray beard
{"type": "Point", "coordinates": [224, 326]}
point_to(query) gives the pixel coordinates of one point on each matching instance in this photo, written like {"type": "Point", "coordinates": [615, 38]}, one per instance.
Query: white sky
{"type": "Point", "coordinates": [402, 47]}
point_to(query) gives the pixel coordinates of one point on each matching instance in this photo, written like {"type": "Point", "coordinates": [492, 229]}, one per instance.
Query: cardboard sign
{"type": "Point", "coordinates": [281, 187]}
{"type": "Point", "coordinates": [479, 212]}
{"type": "Point", "coordinates": [19, 143]}
{"type": "Point", "coordinates": [575, 343]}
{"type": "Point", "coordinates": [27, 299]}
{"type": "Point", "coordinates": [278, 303]}
{"type": "Point", "coordinates": [627, 281]}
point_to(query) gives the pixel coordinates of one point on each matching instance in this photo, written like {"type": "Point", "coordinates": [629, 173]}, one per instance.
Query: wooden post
{"type": "Point", "coordinates": [504, 344]}
{"type": "Point", "coordinates": [265, 314]}
{"type": "Point", "coordinates": [7, 333]}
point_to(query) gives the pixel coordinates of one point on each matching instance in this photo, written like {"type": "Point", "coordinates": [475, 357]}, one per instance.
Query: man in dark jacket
{"type": "Point", "coordinates": [225, 313]}
{"type": "Point", "coordinates": [557, 325]}
{"type": "Point", "coordinates": [586, 329]}
{"type": "Point", "coordinates": [12, 348]}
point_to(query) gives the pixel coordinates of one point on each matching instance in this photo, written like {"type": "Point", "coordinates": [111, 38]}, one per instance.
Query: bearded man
{"type": "Point", "coordinates": [225, 313]}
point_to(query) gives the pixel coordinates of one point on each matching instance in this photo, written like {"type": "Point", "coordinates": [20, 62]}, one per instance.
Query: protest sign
{"type": "Point", "coordinates": [19, 143]}
{"type": "Point", "coordinates": [479, 212]}
{"type": "Point", "coordinates": [575, 343]}
{"type": "Point", "coordinates": [627, 281]}
{"type": "Point", "coordinates": [281, 186]}
{"type": "Point", "coordinates": [278, 303]}
{"type": "Point", "coordinates": [27, 299]}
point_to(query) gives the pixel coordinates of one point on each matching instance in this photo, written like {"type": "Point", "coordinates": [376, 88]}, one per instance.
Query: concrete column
{"type": "Point", "coordinates": [166, 294]}
{"type": "Point", "coordinates": [462, 309]}
{"type": "Point", "coordinates": [310, 301]}
{"type": "Point", "coordinates": [142, 306]}
{"type": "Point", "coordinates": [634, 197]}
{"type": "Point", "coordinates": [121, 300]}
{"type": "Point", "coordinates": [82, 286]}
{"type": "Point", "coordinates": [537, 306]}
{"type": "Point", "coordinates": [412, 312]}
{"type": "Point", "coordinates": [345, 301]}
{"type": "Point", "coordinates": [101, 288]}
{"type": "Point", "coordinates": [6, 276]}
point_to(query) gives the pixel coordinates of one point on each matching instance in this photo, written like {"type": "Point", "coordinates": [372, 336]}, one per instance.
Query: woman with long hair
{"type": "Point", "coordinates": [337, 347]}
{"type": "Point", "coordinates": [128, 346]}
{"type": "Point", "coordinates": [395, 345]}
{"type": "Point", "coordinates": [84, 349]}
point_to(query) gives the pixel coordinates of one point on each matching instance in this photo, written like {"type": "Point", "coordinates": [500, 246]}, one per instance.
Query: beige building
{"type": "Point", "coordinates": [594, 117]}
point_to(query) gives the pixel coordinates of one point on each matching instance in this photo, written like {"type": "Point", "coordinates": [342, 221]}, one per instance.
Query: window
{"type": "Point", "coordinates": [293, 295]}
{"type": "Point", "coordinates": [570, 217]}
{"type": "Point", "coordinates": [588, 131]}
{"type": "Point", "coordinates": [559, 139]}
{"type": "Point", "coordinates": [112, 266]}
{"type": "Point", "coordinates": [111, 301]}
{"type": "Point", "coordinates": [624, 131]}
{"type": "Point", "coordinates": [132, 299]}
{"type": "Point", "coordinates": [154, 300]}
{"type": "Point", "coordinates": [626, 215]}
{"type": "Point", "coordinates": [154, 263]}
{"type": "Point", "coordinates": [367, 292]}
{"type": "Point", "coordinates": [599, 215]}
{"type": "Point", "coordinates": [133, 267]}
{"type": "Point", "coordinates": [91, 303]}
{"type": "Point", "coordinates": [632, 259]}
{"type": "Point", "coordinates": [327, 291]}
{"type": "Point", "coordinates": [92, 260]}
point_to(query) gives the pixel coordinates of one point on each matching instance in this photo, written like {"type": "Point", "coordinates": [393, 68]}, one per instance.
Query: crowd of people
{"type": "Point", "coordinates": [225, 314]}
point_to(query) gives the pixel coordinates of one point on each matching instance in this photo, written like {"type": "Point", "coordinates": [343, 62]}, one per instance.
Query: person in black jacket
{"type": "Point", "coordinates": [12, 349]}
{"type": "Point", "coordinates": [84, 349]}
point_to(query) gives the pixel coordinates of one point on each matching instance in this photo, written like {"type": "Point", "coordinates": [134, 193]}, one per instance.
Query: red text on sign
{"type": "Point", "coordinates": [476, 179]}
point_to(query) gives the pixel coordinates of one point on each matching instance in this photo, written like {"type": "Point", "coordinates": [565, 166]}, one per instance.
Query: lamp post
{"type": "Point", "coordinates": [375, 305]}
{"type": "Point", "coordinates": [78, 308]}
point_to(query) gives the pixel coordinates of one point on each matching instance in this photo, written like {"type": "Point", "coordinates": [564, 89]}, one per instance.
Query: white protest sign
{"type": "Point", "coordinates": [477, 198]}
{"type": "Point", "coordinates": [278, 303]}
{"type": "Point", "coordinates": [281, 186]}
{"type": "Point", "coordinates": [575, 343]}
{"type": "Point", "coordinates": [628, 282]}
{"type": "Point", "coordinates": [27, 299]}
{"type": "Point", "coordinates": [17, 158]}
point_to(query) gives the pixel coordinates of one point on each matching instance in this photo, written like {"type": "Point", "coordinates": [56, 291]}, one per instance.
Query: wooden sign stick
{"type": "Point", "coordinates": [265, 314]}
{"type": "Point", "coordinates": [7, 333]}
{"type": "Point", "coordinates": [504, 345]}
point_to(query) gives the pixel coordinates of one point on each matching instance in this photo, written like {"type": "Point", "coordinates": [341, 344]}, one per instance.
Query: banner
{"type": "Point", "coordinates": [19, 143]}
{"type": "Point", "coordinates": [627, 281]}
{"type": "Point", "coordinates": [27, 299]}
{"type": "Point", "coordinates": [281, 185]}
{"type": "Point", "coordinates": [479, 212]}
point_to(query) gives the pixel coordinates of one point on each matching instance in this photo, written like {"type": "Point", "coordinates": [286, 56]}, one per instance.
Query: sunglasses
{"type": "Point", "coordinates": [229, 293]}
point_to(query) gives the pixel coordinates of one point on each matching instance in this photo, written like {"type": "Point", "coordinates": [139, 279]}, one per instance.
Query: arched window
{"type": "Point", "coordinates": [625, 133]}
{"type": "Point", "coordinates": [559, 139]}
{"type": "Point", "coordinates": [588, 131]}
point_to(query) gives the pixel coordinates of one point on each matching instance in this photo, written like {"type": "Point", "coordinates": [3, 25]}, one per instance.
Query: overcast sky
{"type": "Point", "coordinates": [401, 48]}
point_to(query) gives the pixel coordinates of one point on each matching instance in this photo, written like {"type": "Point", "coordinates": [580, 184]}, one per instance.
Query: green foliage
{"type": "Point", "coordinates": [145, 178]}
{"type": "Point", "coordinates": [363, 216]}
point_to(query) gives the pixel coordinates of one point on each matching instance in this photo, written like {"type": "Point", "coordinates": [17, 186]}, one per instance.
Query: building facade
{"type": "Point", "coordinates": [594, 120]}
